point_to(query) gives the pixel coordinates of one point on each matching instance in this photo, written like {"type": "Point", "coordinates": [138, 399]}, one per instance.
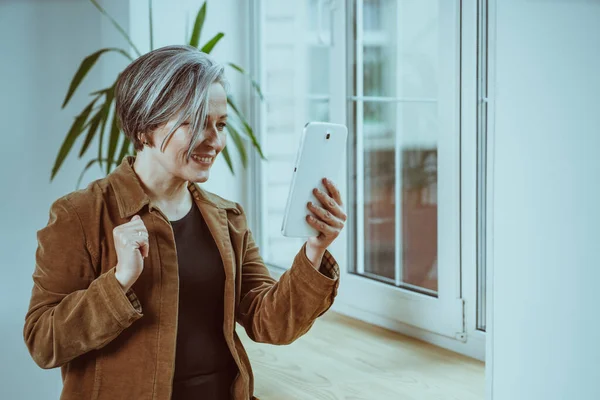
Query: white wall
{"type": "Point", "coordinates": [42, 43]}
{"type": "Point", "coordinates": [546, 202]}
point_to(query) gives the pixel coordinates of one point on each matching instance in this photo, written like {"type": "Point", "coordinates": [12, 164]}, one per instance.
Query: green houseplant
{"type": "Point", "coordinates": [98, 119]}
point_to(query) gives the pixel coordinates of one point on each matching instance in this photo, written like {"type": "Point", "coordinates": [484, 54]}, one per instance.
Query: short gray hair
{"type": "Point", "coordinates": [164, 83]}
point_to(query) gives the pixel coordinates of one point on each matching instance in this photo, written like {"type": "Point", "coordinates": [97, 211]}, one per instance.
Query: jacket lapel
{"type": "Point", "coordinates": [216, 220]}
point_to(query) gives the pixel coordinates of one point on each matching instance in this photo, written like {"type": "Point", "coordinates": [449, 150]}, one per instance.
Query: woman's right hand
{"type": "Point", "coordinates": [132, 246]}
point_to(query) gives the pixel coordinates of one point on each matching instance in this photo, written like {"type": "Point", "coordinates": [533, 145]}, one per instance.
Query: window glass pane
{"type": "Point", "coordinates": [398, 144]}
{"type": "Point", "coordinates": [317, 65]}
{"type": "Point", "coordinates": [317, 14]}
{"type": "Point", "coordinates": [400, 54]}
{"type": "Point", "coordinates": [372, 14]}
{"type": "Point", "coordinates": [419, 218]}
{"type": "Point", "coordinates": [318, 110]}
{"type": "Point", "coordinates": [375, 64]}
{"type": "Point", "coordinates": [482, 115]}
{"type": "Point", "coordinates": [296, 87]}
{"type": "Point", "coordinates": [379, 189]}
{"type": "Point", "coordinates": [410, 128]}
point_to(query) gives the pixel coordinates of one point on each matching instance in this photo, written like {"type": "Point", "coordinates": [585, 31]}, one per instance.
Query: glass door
{"type": "Point", "coordinates": [403, 108]}
{"type": "Point", "coordinates": [390, 70]}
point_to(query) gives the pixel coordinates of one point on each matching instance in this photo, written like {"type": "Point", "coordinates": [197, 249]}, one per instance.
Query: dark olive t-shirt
{"type": "Point", "coordinates": [204, 367]}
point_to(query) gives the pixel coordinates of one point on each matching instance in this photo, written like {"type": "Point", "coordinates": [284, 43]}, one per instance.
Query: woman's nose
{"type": "Point", "coordinates": [213, 137]}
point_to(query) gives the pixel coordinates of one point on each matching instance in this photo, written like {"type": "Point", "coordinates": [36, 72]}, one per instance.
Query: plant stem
{"type": "Point", "coordinates": [116, 25]}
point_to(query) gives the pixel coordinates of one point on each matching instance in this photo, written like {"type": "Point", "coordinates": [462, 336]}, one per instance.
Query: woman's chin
{"type": "Point", "coordinates": [201, 176]}
{"type": "Point", "coordinates": [198, 172]}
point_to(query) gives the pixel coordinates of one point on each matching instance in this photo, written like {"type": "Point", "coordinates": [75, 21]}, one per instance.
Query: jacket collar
{"type": "Point", "coordinates": [131, 197]}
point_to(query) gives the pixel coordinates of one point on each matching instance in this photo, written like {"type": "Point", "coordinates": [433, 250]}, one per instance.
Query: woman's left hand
{"type": "Point", "coordinates": [330, 217]}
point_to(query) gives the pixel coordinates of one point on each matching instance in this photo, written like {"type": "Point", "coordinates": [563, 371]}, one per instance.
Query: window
{"type": "Point", "coordinates": [404, 96]}
{"type": "Point", "coordinates": [395, 112]}
{"type": "Point", "coordinates": [392, 70]}
{"type": "Point", "coordinates": [482, 148]}
{"type": "Point", "coordinates": [295, 59]}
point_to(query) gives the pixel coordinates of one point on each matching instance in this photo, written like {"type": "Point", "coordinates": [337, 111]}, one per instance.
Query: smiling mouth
{"type": "Point", "coordinates": [203, 160]}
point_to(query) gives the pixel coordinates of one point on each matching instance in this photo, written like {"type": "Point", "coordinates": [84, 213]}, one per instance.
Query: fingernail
{"type": "Point", "coordinates": [325, 180]}
{"type": "Point", "coordinates": [309, 204]}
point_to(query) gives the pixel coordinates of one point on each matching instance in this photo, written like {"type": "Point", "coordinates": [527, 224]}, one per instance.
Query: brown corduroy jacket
{"type": "Point", "coordinates": [114, 345]}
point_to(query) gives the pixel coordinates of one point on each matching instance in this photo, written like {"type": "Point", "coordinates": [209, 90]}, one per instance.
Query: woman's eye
{"type": "Point", "coordinates": [220, 126]}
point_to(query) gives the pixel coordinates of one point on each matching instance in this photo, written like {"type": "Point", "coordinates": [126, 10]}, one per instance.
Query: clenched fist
{"type": "Point", "coordinates": [131, 244]}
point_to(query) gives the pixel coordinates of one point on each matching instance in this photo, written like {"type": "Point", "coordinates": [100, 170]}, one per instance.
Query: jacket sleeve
{"type": "Point", "coordinates": [279, 312]}
{"type": "Point", "coordinates": [72, 311]}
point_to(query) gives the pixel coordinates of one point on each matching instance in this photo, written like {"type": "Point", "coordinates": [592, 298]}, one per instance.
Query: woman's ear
{"type": "Point", "coordinates": [143, 139]}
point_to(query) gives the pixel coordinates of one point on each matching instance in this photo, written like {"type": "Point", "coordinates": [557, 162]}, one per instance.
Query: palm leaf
{"type": "Point", "coordinates": [247, 128]}
{"type": "Point", "coordinates": [113, 141]}
{"type": "Point", "coordinates": [124, 149]}
{"type": "Point", "coordinates": [116, 25]}
{"type": "Point", "coordinates": [255, 84]}
{"type": "Point", "coordinates": [239, 143]}
{"type": "Point", "coordinates": [227, 157]}
{"type": "Point", "coordinates": [207, 48]}
{"type": "Point", "coordinates": [92, 130]}
{"type": "Point", "coordinates": [101, 91]}
{"type": "Point", "coordinates": [200, 17]}
{"type": "Point", "coordinates": [85, 67]}
{"type": "Point", "coordinates": [110, 94]}
{"type": "Point", "coordinates": [74, 132]}
{"type": "Point", "coordinates": [88, 166]}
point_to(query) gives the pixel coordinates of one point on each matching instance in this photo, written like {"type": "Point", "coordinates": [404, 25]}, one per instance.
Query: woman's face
{"type": "Point", "coordinates": [210, 143]}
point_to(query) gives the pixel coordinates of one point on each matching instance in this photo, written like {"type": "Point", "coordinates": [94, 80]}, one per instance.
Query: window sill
{"type": "Point", "coordinates": [350, 358]}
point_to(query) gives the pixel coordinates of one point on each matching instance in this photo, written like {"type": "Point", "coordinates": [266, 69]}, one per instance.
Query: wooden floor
{"type": "Point", "coordinates": [341, 358]}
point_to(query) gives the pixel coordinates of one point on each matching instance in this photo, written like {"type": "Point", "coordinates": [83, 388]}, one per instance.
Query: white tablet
{"type": "Point", "coordinates": [320, 155]}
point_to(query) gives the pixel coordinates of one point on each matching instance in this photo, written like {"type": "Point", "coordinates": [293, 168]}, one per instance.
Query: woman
{"type": "Point", "coordinates": [141, 277]}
